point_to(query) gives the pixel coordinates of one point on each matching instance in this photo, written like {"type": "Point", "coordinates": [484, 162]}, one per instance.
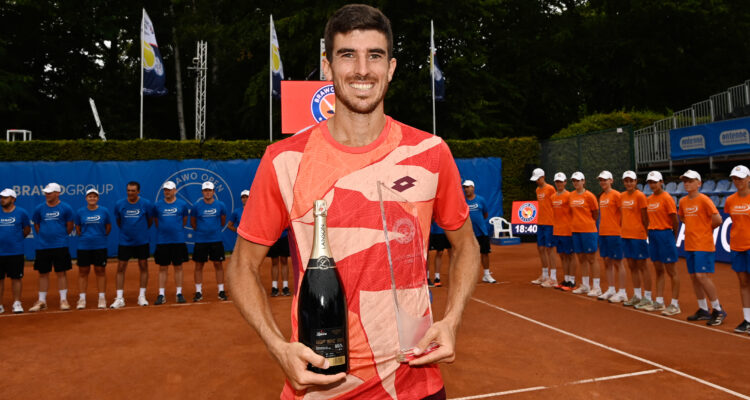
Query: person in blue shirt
{"type": "Point", "coordinates": [437, 244]}
{"type": "Point", "coordinates": [134, 216]}
{"type": "Point", "coordinates": [478, 214]}
{"type": "Point", "coordinates": [53, 222]}
{"type": "Point", "coordinates": [207, 217]}
{"type": "Point", "coordinates": [234, 219]}
{"type": "Point", "coordinates": [170, 218]}
{"type": "Point", "coordinates": [14, 227]}
{"type": "Point", "coordinates": [279, 255]}
{"type": "Point", "coordinates": [93, 224]}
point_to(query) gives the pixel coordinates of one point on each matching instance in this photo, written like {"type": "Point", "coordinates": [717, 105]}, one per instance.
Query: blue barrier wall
{"type": "Point", "coordinates": [229, 177]}
{"type": "Point", "coordinates": [717, 138]}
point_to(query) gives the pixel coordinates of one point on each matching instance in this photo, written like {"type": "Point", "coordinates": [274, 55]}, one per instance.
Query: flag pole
{"type": "Point", "coordinates": [143, 15]}
{"type": "Point", "coordinates": [432, 74]}
{"type": "Point", "coordinates": [270, 78]}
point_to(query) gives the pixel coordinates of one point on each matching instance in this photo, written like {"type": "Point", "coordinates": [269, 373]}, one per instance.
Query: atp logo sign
{"type": "Point", "coordinates": [527, 212]}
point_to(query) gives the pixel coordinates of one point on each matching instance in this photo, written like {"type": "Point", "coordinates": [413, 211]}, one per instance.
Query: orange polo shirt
{"type": "Point", "coordinates": [544, 199]}
{"type": "Point", "coordinates": [696, 215]}
{"type": "Point", "coordinates": [561, 209]}
{"type": "Point", "coordinates": [609, 208]}
{"type": "Point", "coordinates": [660, 207]}
{"type": "Point", "coordinates": [739, 209]}
{"type": "Point", "coordinates": [632, 223]}
{"type": "Point", "coordinates": [582, 205]}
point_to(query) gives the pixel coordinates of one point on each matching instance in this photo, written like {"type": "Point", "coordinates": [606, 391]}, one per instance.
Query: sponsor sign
{"type": "Point", "coordinates": [305, 103]}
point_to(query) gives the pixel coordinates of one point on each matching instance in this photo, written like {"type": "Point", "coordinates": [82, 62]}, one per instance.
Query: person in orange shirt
{"type": "Point", "coordinates": [738, 207]}
{"type": "Point", "coordinates": [610, 241]}
{"type": "Point", "coordinates": [562, 233]}
{"type": "Point", "coordinates": [635, 246]}
{"type": "Point", "coordinates": [663, 228]}
{"type": "Point", "coordinates": [585, 212]}
{"type": "Point", "coordinates": [700, 216]}
{"type": "Point", "coordinates": [544, 240]}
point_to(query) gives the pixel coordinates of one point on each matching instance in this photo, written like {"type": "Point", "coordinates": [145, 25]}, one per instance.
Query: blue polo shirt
{"type": "Point", "coordinates": [11, 231]}
{"type": "Point", "coordinates": [236, 216]}
{"type": "Point", "coordinates": [93, 225]}
{"type": "Point", "coordinates": [52, 222]}
{"type": "Point", "coordinates": [134, 221]}
{"type": "Point", "coordinates": [477, 209]}
{"type": "Point", "coordinates": [208, 220]}
{"type": "Point", "coordinates": [435, 229]}
{"type": "Point", "coordinates": [170, 215]}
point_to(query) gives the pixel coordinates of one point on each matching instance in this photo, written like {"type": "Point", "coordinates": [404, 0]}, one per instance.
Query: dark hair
{"type": "Point", "coordinates": [136, 184]}
{"type": "Point", "coordinates": [353, 17]}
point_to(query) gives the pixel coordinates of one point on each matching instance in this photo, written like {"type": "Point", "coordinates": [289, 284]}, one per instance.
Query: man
{"type": "Point", "coordinates": [207, 217]}
{"type": "Point", "coordinates": [279, 255]}
{"type": "Point", "coordinates": [544, 240]}
{"type": "Point", "coordinates": [170, 218]}
{"type": "Point", "coordinates": [478, 214]}
{"type": "Point", "coordinates": [92, 226]}
{"type": "Point", "coordinates": [234, 219]}
{"type": "Point", "coordinates": [134, 216]}
{"type": "Point", "coordinates": [610, 241]}
{"type": "Point", "coordinates": [663, 228]}
{"type": "Point", "coordinates": [738, 207]}
{"type": "Point", "coordinates": [53, 222]}
{"type": "Point", "coordinates": [345, 160]}
{"type": "Point", "coordinates": [563, 235]}
{"type": "Point", "coordinates": [634, 234]}
{"type": "Point", "coordinates": [14, 227]}
{"type": "Point", "coordinates": [437, 245]}
{"type": "Point", "coordinates": [585, 213]}
{"type": "Point", "coordinates": [700, 216]}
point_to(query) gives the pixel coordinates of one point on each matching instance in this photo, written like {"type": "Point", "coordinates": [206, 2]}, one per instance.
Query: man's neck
{"type": "Point", "coordinates": [581, 191]}
{"type": "Point", "coordinates": [693, 194]}
{"type": "Point", "coordinates": [356, 130]}
{"type": "Point", "coordinates": [168, 201]}
{"type": "Point", "coordinates": [9, 208]}
{"type": "Point", "coordinates": [134, 201]}
{"type": "Point", "coordinates": [209, 201]}
{"type": "Point", "coordinates": [472, 197]}
{"type": "Point", "coordinates": [92, 207]}
{"type": "Point", "coordinates": [52, 204]}
{"type": "Point", "coordinates": [658, 191]}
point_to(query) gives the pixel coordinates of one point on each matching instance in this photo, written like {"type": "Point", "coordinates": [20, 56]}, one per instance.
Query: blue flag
{"type": "Point", "coordinates": [153, 66]}
{"type": "Point", "coordinates": [435, 72]}
{"type": "Point", "coordinates": [277, 69]}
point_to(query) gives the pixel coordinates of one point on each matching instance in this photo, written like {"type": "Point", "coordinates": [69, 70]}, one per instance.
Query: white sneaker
{"type": "Point", "coordinates": [539, 281]}
{"type": "Point", "coordinates": [64, 305]}
{"type": "Point", "coordinates": [2, 309]}
{"type": "Point", "coordinates": [81, 304]}
{"type": "Point", "coordinates": [549, 283]}
{"type": "Point", "coordinates": [606, 295]}
{"type": "Point", "coordinates": [38, 306]}
{"type": "Point", "coordinates": [17, 307]}
{"type": "Point", "coordinates": [102, 303]}
{"type": "Point", "coordinates": [488, 278]}
{"type": "Point", "coordinates": [581, 289]}
{"type": "Point", "coordinates": [118, 303]}
{"type": "Point", "coordinates": [142, 301]}
{"type": "Point", "coordinates": [618, 298]}
{"type": "Point", "coordinates": [595, 292]}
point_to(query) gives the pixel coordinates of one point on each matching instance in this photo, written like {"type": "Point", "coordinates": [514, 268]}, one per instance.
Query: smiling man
{"type": "Point", "coordinates": [345, 160]}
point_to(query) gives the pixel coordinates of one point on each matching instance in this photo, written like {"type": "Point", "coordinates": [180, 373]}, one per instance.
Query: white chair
{"type": "Point", "coordinates": [499, 224]}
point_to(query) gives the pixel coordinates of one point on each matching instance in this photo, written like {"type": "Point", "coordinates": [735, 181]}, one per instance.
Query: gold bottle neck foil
{"type": "Point", "coordinates": [320, 247]}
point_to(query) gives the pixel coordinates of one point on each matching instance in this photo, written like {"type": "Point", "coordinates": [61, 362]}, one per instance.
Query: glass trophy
{"type": "Point", "coordinates": [407, 266]}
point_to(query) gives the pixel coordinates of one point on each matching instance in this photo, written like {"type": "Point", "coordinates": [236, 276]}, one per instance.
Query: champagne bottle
{"type": "Point", "coordinates": [321, 309]}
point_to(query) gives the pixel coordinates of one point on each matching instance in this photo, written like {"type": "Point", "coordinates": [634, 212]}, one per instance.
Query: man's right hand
{"type": "Point", "coordinates": [294, 357]}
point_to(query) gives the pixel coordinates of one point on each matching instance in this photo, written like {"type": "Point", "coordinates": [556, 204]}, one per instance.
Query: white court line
{"type": "Point", "coordinates": [126, 308]}
{"type": "Point", "coordinates": [699, 324]}
{"type": "Point", "coordinates": [614, 350]}
{"type": "Point", "coordinates": [536, 388]}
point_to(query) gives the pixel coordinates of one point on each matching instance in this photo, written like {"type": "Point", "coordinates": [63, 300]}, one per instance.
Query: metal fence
{"type": "Point", "coordinates": [652, 143]}
{"type": "Point", "coordinates": [611, 150]}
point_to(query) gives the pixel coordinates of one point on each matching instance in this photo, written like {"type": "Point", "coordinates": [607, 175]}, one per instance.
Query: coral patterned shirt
{"type": "Point", "coordinates": [418, 180]}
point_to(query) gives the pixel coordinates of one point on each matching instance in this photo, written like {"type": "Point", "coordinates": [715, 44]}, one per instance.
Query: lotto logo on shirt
{"type": "Point", "coordinates": [527, 212]}
{"type": "Point", "coordinates": [7, 221]}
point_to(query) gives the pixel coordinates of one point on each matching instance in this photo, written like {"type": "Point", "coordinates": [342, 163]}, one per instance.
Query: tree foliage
{"type": "Point", "coordinates": [512, 67]}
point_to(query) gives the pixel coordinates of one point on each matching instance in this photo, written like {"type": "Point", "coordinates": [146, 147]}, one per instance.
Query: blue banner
{"type": "Point", "coordinates": [717, 138]}
{"type": "Point", "coordinates": [229, 177]}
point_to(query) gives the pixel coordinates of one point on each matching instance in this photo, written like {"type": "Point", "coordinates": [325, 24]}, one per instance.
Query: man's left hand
{"type": "Point", "coordinates": [444, 335]}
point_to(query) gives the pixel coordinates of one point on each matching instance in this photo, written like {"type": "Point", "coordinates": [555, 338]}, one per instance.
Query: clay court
{"type": "Point", "coordinates": [517, 341]}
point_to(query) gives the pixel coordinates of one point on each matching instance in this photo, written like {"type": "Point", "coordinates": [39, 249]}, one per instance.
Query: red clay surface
{"type": "Point", "coordinates": [517, 341]}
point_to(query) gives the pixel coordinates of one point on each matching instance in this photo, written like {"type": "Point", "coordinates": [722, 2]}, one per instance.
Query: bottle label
{"type": "Point", "coordinates": [330, 343]}
{"type": "Point", "coordinates": [321, 263]}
